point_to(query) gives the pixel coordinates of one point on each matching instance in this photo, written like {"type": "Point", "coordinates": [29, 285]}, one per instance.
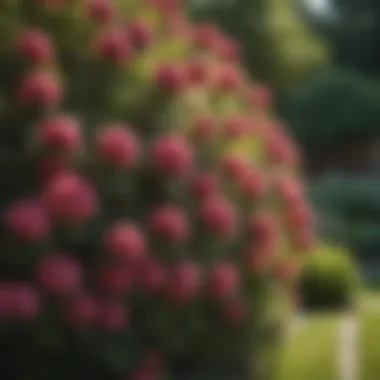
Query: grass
{"type": "Point", "coordinates": [369, 346]}
{"type": "Point", "coordinates": [369, 338]}
{"type": "Point", "coordinates": [311, 353]}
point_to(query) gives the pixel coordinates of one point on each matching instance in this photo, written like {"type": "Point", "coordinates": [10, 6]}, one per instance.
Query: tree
{"type": "Point", "coordinates": [244, 20]}
{"type": "Point", "coordinates": [334, 118]}
{"type": "Point", "coordinates": [349, 211]}
{"type": "Point", "coordinates": [277, 48]}
{"type": "Point", "coordinates": [352, 30]}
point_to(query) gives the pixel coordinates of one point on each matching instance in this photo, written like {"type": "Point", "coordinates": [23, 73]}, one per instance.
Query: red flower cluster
{"type": "Point", "coordinates": [136, 202]}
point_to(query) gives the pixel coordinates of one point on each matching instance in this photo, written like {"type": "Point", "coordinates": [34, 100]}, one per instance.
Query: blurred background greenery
{"type": "Point", "coordinates": [321, 59]}
{"type": "Point", "coordinates": [329, 281]}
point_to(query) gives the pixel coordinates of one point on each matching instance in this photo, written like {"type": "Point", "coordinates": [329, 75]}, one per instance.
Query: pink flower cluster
{"type": "Point", "coordinates": [235, 216]}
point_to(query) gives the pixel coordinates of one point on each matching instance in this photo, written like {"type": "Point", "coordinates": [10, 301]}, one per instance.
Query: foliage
{"type": "Point", "coordinates": [334, 117]}
{"type": "Point", "coordinates": [351, 29]}
{"type": "Point", "coordinates": [245, 21]}
{"type": "Point", "coordinates": [329, 279]}
{"type": "Point", "coordinates": [349, 211]}
{"type": "Point", "coordinates": [276, 46]}
{"type": "Point", "coordinates": [298, 51]}
{"type": "Point", "coordinates": [151, 204]}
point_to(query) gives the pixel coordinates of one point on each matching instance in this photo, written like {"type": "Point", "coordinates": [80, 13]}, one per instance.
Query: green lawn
{"type": "Point", "coordinates": [369, 341]}
{"type": "Point", "coordinates": [314, 344]}
{"type": "Point", "coordinates": [311, 354]}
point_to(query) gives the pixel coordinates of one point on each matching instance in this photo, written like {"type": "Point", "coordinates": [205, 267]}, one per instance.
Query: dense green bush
{"type": "Point", "coordinates": [333, 106]}
{"type": "Point", "coordinates": [150, 204]}
{"type": "Point", "coordinates": [334, 116]}
{"type": "Point", "coordinates": [349, 211]}
{"type": "Point", "coordinates": [329, 279]}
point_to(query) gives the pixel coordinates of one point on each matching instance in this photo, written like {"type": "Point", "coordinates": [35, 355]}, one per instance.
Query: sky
{"type": "Point", "coordinates": [321, 8]}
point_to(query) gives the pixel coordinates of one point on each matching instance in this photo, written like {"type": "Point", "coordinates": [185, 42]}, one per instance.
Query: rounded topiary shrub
{"type": "Point", "coordinates": [150, 204]}
{"type": "Point", "coordinates": [329, 279]}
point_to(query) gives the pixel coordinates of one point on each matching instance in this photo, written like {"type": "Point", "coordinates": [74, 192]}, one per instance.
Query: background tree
{"type": "Point", "coordinates": [297, 50]}
{"type": "Point", "coordinates": [349, 213]}
{"type": "Point", "coordinates": [350, 27]}
{"type": "Point", "coordinates": [277, 47]}
{"type": "Point", "coordinates": [334, 117]}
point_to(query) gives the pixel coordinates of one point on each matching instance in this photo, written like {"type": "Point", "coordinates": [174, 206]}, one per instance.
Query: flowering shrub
{"type": "Point", "coordinates": [150, 202]}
